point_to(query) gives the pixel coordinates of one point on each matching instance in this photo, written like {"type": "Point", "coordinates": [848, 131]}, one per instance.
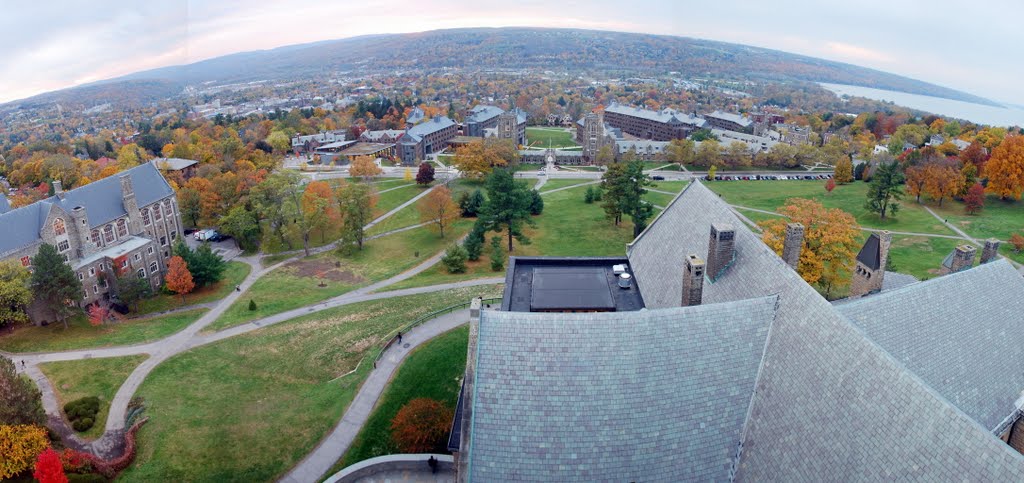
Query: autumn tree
{"type": "Point", "coordinates": [97, 315]}
{"type": "Point", "coordinates": [830, 185]}
{"type": "Point", "coordinates": [242, 224]}
{"type": "Point", "coordinates": [975, 154]}
{"type": "Point", "coordinates": [605, 156]}
{"type": "Point", "coordinates": [708, 154]}
{"type": "Point", "coordinates": [507, 206]}
{"type": "Point", "coordinates": [438, 209]}
{"type": "Point", "coordinates": [425, 175]}
{"type": "Point", "coordinates": [942, 179]}
{"type": "Point", "coordinates": [364, 167]}
{"type": "Point", "coordinates": [49, 468]}
{"type": "Point", "coordinates": [274, 201]}
{"type": "Point", "coordinates": [885, 190]}
{"type": "Point", "coordinates": [681, 151]}
{"type": "Point", "coordinates": [319, 211]}
{"type": "Point", "coordinates": [916, 177]}
{"type": "Point", "coordinates": [15, 292]}
{"type": "Point", "coordinates": [477, 158]}
{"type": "Point", "coordinates": [356, 202]}
{"type": "Point", "coordinates": [843, 170]}
{"type": "Point", "coordinates": [1017, 241]}
{"type": "Point", "coordinates": [831, 238]}
{"type": "Point", "coordinates": [421, 426]}
{"type": "Point", "coordinates": [178, 278]}
{"type": "Point", "coordinates": [20, 399]}
{"type": "Point", "coordinates": [54, 283]}
{"type": "Point", "coordinates": [20, 445]}
{"type": "Point", "coordinates": [974, 201]}
{"type": "Point", "coordinates": [1005, 168]}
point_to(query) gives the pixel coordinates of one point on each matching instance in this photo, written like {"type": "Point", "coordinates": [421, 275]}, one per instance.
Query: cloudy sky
{"type": "Point", "coordinates": [974, 47]}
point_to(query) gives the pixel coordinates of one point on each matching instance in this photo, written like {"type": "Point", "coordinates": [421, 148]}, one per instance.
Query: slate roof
{"type": "Point", "coordinates": [484, 113]}
{"type": "Point", "coordinates": [173, 164]}
{"type": "Point", "coordinates": [665, 115]}
{"type": "Point", "coordinates": [662, 396]}
{"type": "Point", "coordinates": [430, 126]}
{"type": "Point", "coordinates": [5, 205]}
{"type": "Point", "coordinates": [416, 115]}
{"type": "Point", "coordinates": [102, 201]}
{"type": "Point", "coordinates": [960, 333]}
{"type": "Point", "coordinates": [728, 116]}
{"type": "Point", "coordinates": [641, 146]}
{"type": "Point", "coordinates": [895, 280]}
{"type": "Point", "coordinates": [830, 403]}
{"type": "Point", "coordinates": [870, 254]}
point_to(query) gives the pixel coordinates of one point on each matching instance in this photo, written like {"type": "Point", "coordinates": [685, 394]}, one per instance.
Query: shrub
{"type": "Point", "coordinates": [20, 445]}
{"type": "Point", "coordinates": [598, 193]}
{"type": "Point", "coordinates": [85, 478]}
{"type": "Point", "coordinates": [536, 203]}
{"type": "Point", "coordinates": [455, 259]}
{"type": "Point", "coordinates": [82, 412]}
{"type": "Point", "coordinates": [83, 424]}
{"type": "Point", "coordinates": [421, 426]}
{"type": "Point", "coordinates": [252, 304]}
{"type": "Point", "coordinates": [588, 196]}
{"type": "Point", "coordinates": [474, 245]}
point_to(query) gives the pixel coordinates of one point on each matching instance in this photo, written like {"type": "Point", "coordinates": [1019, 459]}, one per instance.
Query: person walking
{"type": "Point", "coordinates": [399, 337]}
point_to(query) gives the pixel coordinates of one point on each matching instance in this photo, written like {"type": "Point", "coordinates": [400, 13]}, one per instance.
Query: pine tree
{"type": "Point", "coordinates": [885, 190]}
{"type": "Point", "coordinates": [507, 206]}
{"type": "Point", "coordinates": [54, 283]}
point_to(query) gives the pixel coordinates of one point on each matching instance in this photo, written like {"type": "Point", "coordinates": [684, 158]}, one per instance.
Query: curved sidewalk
{"type": "Point", "coordinates": [317, 463]}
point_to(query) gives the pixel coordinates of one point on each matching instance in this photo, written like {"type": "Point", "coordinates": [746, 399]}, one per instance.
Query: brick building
{"type": "Point", "coordinates": [729, 122]}
{"type": "Point", "coordinates": [123, 224]}
{"type": "Point", "coordinates": [664, 125]}
{"type": "Point", "coordinates": [425, 138]}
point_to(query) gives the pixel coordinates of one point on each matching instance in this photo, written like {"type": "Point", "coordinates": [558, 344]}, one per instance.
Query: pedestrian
{"type": "Point", "coordinates": [432, 462]}
{"type": "Point", "coordinates": [23, 364]}
{"type": "Point", "coordinates": [238, 288]}
{"type": "Point", "coordinates": [399, 337]}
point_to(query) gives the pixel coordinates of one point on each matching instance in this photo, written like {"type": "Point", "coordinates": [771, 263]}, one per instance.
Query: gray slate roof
{"type": "Point", "coordinates": [483, 113]}
{"type": "Point", "coordinates": [5, 205]}
{"type": "Point", "coordinates": [102, 201]}
{"type": "Point", "coordinates": [664, 115]}
{"type": "Point", "coordinates": [895, 280]}
{"type": "Point", "coordinates": [430, 126]}
{"type": "Point", "coordinates": [960, 333]}
{"type": "Point", "coordinates": [830, 404]}
{"type": "Point", "coordinates": [174, 164]}
{"type": "Point", "coordinates": [662, 396]}
{"type": "Point", "coordinates": [728, 116]}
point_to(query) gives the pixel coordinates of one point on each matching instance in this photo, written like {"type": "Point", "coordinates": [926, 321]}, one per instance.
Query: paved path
{"type": "Point", "coordinates": [396, 188]}
{"type": "Point", "coordinates": [316, 464]}
{"type": "Point", "coordinates": [652, 190]}
{"type": "Point", "coordinates": [399, 208]}
{"type": "Point", "coordinates": [541, 181]}
{"type": "Point", "coordinates": [569, 187]}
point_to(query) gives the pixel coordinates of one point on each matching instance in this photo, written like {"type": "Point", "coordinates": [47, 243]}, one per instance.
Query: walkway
{"type": "Point", "coordinates": [569, 187]}
{"type": "Point", "coordinates": [333, 447]}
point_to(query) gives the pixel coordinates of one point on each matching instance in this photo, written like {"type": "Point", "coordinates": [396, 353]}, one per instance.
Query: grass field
{"type": "Point", "coordinates": [102, 378]}
{"type": "Point", "coordinates": [673, 186]}
{"type": "Point", "coordinates": [82, 335]}
{"type": "Point", "coordinates": [556, 183]}
{"type": "Point", "coordinates": [250, 407]}
{"type": "Point", "coordinates": [391, 199]}
{"type": "Point", "coordinates": [297, 283]}
{"type": "Point", "coordinates": [659, 199]}
{"type": "Point", "coordinates": [233, 275]}
{"type": "Point", "coordinates": [433, 371]}
{"type": "Point", "coordinates": [542, 138]}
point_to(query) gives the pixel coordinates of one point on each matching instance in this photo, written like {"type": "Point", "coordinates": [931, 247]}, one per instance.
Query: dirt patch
{"type": "Point", "coordinates": [323, 269]}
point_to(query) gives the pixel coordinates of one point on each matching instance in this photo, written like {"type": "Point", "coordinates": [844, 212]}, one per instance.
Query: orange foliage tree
{"type": "Point", "coordinates": [421, 426]}
{"type": "Point", "coordinates": [830, 241]}
{"type": "Point", "coordinates": [916, 178]}
{"type": "Point", "coordinates": [320, 209]}
{"type": "Point", "coordinates": [942, 179]}
{"type": "Point", "coordinates": [97, 315]}
{"type": "Point", "coordinates": [974, 201]}
{"type": "Point", "coordinates": [49, 468]}
{"type": "Point", "coordinates": [1005, 169]}
{"type": "Point", "coordinates": [19, 446]}
{"type": "Point", "coordinates": [179, 279]}
{"type": "Point", "coordinates": [438, 209]}
{"type": "Point", "coordinates": [364, 167]}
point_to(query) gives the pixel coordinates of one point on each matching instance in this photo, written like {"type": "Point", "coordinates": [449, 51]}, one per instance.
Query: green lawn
{"type": "Point", "coordinates": [250, 407]}
{"type": "Point", "coordinates": [659, 199]}
{"type": "Point", "coordinates": [82, 335]}
{"type": "Point", "coordinates": [391, 199]}
{"type": "Point", "coordinates": [998, 219]}
{"type": "Point", "coordinates": [102, 378]}
{"type": "Point", "coordinates": [673, 186]}
{"type": "Point", "coordinates": [543, 138]}
{"type": "Point", "coordinates": [556, 183]}
{"type": "Point", "coordinates": [233, 275]}
{"type": "Point", "coordinates": [919, 256]}
{"type": "Point", "coordinates": [297, 283]}
{"type": "Point", "coordinates": [433, 371]}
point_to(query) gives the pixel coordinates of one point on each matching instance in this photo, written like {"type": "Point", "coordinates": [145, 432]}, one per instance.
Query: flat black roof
{"type": "Point", "coordinates": [568, 284]}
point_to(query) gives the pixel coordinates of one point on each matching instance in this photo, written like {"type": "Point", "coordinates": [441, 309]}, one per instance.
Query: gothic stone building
{"type": "Point", "coordinates": [123, 224]}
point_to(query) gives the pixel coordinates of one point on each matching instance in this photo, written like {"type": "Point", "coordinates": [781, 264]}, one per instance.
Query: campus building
{"type": "Point", "coordinates": [729, 122]}
{"type": "Point", "coordinates": [481, 117]}
{"type": "Point", "coordinates": [425, 138]}
{"type": "Point", "coordinates": [490, 121]}
{"type": "Point", "coordinates": [664, 125]}
{"type": "Point", "coordinates": [308, 143]}
{"type": "Point", "coordinates": [120, 225]}
{"type": "Point", "coordinates": [701, 355]}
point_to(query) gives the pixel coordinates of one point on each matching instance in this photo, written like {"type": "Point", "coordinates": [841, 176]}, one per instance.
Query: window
{"type": "Point", "coordinates": [174, 235]}
{"type": "Point", "coordinates": [92, 271]}
{"type": "Point", "coordinates": [63, 246]}
{"type": "Point", "coordinates": [149, 251]}
{"type": "Point", "coordinates": [96, 237]}
{"type": "Point", "coordinates": [108, 233]}
{"type": "Point", "coordinates": [138, 257]}
{"type": "Point", "coordinates": [156, 213]}
{"type": "Point", "coordinates": [124, 263]}
{"type": "Point", "coordinates": [95, 289]}
{"type": "Point", "coordinates": [165, 254]}
{"type": "Point", "coordinates": [122, 228]}
{"type": "Point", "coordinates": [26, 261]}
{"type": "Point", "coordinates": [153, 268]}
{"type": "Point", "coordinates": [145, 216]}
{"type": "Point", "coordinates": [81, 277]}
{"type": "Point", "coordinates": [58, 227]}
{"type": "Point", "coordinates": [142, 273]}
{"type": "Point", "coordinates": [167, 208]}
{"type": "Point", "coordinates": [163, 241]}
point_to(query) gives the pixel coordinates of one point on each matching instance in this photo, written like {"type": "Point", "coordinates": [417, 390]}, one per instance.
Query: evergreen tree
{"type": "Point", "coordinates": [634, 204]}
{"type": "Point", "coordinates": [470, 204]}
{"type": "Point", "coordinates": [20, 400]}
{"type": "Point", "coordinates": [474, 243]}
{"type": "Point", "coordinates": [55, 284]}
{"type": "Point", "coordinates": [588, 197]}
{"type": "Point", "coordinates": [507, 206]}
{"type": "Point", "coordinates": [131, 289]}
{"type": "Point", "coordinates": [454, 259]}
{"type": "Point", "coordinates": [207, 267]}
{"type": "Point", "coordinates": [536, 203]}
{"type": "Point", "coordinates": [885, 190]}
{"type": "Point", "coordinates": [497, 255]}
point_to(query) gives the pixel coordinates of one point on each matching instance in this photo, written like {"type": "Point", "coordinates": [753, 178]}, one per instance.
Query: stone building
{"type": "Point", "coordinates": [481, 117]}
{"type": "Point", "coordinates": [869, 269]}
{"type": "Point", "coordinates": [123, 224]}
{"type": "Point", "coordinates": [729, 122]}
{"type": "Point", "coordinates": [509, 125]}
{"type": "Point", "coordinates": [425, 138]}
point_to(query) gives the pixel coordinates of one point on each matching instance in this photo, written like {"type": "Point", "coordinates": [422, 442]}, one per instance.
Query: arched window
{"type": "Point", "coordinates": [108, 233]}
{"type": "Point", "coordinates": [167, 208]}
{"type": "Point", "coordinates": [58, 227]}
{"type": "Point", "coordinates": [95, 236]}
{"type": "Point", "coordinates": [145, 216]}
{"type": "Point", "coordinates": [122, 228]}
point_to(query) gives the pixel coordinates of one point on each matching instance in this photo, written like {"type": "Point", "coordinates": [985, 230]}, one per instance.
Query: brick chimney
{"type": "Point", "coordinates": [693, 280]}
{"type": "Point", "coordinates": [962, 258]}
{"type": "Point", "coordinates": [990, 252]}
{"type": "Point", "coordinates": [721, 249]}
{"type": "Point", "coordinates": [793, 244]}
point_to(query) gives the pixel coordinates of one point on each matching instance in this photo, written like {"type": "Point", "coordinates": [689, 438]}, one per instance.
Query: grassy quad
{"type": "Point", "coordinates": [102, 378]}
{"type": "Point", "coordinates": [555, 183]}
{"type": "Point", "coordinates": [250, 407]}
{"type": "Point", "coordinates": [296, 284]}
{"type": "Point", "coordinates": [543, 138]}
{"type": "Point", "coordinates": [81, 335]}
{"type": "Point", "coordinates": [233, 275]}
{"type": "Point", "coordinates": [433, 371]}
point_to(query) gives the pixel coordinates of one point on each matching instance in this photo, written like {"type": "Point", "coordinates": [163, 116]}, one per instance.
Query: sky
{"type": "Point", "coordinates": [973, 47]}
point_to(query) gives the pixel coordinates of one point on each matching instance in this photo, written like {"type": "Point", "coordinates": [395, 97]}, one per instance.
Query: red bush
{"type": "Point", "coordinates": [421, 425]}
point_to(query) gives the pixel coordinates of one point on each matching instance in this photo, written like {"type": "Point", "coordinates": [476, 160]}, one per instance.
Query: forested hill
{"type": "Point", "coordinates": [557, 49]}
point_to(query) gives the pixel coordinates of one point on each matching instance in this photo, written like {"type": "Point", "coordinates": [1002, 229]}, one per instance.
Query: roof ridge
{"type": "Point", "coordinates": [934, 281]}
{"type": "Point", "coordinates": [629, 246]}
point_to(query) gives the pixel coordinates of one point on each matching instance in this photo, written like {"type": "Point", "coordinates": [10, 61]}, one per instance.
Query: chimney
{"type": "Point", "coordinates": [693, 280]}
{"type": "Point", "coordinates": [58, 189]}
{"type": "Point", "coordinates": [990, 252]}
{"type": "Point", "coordinates": [793, 244]}
{"type": "Point", "coordinates": [721, 249]}
{"type": "Point", "coordinates": [963, 258]}
{"type": "Point", "coordinates": [884, 240]}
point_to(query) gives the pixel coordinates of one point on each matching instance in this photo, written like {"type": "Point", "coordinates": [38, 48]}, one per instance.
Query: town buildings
{"type": "Point", "coordinates": [737, 369]}
{"type": "Point", "coordinates": [309, 143]}
{"type": "Point", "coordinates": [121, 225]}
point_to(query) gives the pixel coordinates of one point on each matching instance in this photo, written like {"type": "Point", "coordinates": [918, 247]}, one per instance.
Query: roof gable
{"type": "Point", "coordinates": [870, 254]}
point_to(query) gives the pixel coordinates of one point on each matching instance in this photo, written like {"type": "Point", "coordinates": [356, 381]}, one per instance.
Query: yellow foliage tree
{"type": "Point", "coordinates": [479, 157]}
{"type": "Point", "coordinates": [407, 176]}
{"type": "Point", "coordinates": [1005, 169]}
{"type": "Point", "coordinates": [20, 445]}
{"type": "Point", "coordinates": [364, 167]}
{"type": "Point", "coordinates": [830, 241]}
{"type": "Point", "coordinates": [843, 170]}
{"type": "Point", "coordinates": [438, 209]}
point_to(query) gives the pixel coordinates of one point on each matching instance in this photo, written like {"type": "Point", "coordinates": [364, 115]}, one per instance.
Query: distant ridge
{"type": "Point", "coordinates": [499, 48]}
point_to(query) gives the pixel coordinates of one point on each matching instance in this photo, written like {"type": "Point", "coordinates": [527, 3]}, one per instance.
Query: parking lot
{"type": "Point", "coordinates": [227, 249]}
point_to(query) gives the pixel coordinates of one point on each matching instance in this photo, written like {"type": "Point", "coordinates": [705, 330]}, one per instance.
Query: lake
{"type": "Point", "coordinates": [977, 113]}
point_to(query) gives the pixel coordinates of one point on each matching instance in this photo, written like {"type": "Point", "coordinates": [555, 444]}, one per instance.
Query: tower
{"type": "Point", "coordinates": [869, 271]}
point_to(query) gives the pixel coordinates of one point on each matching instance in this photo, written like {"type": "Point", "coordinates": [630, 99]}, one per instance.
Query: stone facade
{"type": "Point", "coordinates": [990, 252]}
{"type": "Point", "coordinates": [721, 249]}
{"type": "Point", "coordinates": [869, 271]}
{"type": "Point", "coordinates": [961, 259]}
{"type": "Point", "coordinates": [593, 136]}
{"type": "Point", "coordinates": [509, 127]}
{"type": "Point", "coordinates": [793, 244]}
{"type": "Point", "coordinates": [693, 280]}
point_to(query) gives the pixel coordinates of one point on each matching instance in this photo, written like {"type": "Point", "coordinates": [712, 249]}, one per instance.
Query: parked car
{"type": "Point", "coordinates": [658, 178]}
{"type": "Point", "coordinates": [218, 237]}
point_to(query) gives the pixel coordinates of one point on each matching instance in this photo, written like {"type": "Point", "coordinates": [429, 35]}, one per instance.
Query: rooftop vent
{"type": "Point", "coordinates": [625, 281]}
